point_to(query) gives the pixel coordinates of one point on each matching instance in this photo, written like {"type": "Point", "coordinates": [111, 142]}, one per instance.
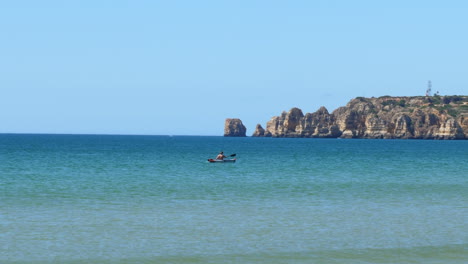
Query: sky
{"type": "Point", "coordinates": [183, 67]}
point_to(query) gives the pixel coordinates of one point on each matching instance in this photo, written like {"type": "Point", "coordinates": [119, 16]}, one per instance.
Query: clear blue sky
{"type": "Point", "coordinates": [182, 67]}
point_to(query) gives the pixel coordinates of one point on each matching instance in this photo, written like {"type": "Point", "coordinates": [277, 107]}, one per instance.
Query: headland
{"type": "Point", "coordinates": [386, 117]}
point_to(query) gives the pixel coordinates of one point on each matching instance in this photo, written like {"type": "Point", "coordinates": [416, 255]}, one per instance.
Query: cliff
{"type": "Point", "coordinates": [419, 117]}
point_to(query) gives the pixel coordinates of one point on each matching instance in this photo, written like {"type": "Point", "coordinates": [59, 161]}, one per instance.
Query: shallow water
{"type": "Point", "coordinates": [155, 199]}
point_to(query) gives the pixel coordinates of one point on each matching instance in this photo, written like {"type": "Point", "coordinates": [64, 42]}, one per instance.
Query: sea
{"type": "Point", "coordinates": [156, 199]}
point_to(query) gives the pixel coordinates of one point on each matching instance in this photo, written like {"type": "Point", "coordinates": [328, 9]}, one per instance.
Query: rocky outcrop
{"type": "Point", "coordinates": [284, 125]}
{"type": "Point", "coordinates": [463, 122]}
{"type": "Point", "coordinates": [319, 124]}
{"type": "Point", "coordinates": [295, 124]}
{"type": "Point", "coordinates": [449, 129]}
{"type": "Point", "coordinates": [259, 131]}
{"type": "Point", "coordinates": [418, 117]}
{"type": "Point", "coordinates": [233, 127]}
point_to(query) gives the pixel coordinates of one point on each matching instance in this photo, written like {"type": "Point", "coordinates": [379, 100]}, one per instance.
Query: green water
{"type": "Point", "coordinates": [155, 199]}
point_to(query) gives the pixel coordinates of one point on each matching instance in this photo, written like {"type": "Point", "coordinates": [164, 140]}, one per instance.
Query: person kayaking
{"type": "Point", "coordinates": [220, 156]}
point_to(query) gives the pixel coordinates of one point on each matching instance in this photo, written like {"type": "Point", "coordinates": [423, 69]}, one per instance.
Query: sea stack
{"type": "Point", "coordinates": [233, 127]}
{"type": "Point", "coordinates": [259, 131]}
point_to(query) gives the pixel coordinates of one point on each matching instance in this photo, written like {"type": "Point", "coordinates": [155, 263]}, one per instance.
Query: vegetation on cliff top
{"type": "Point", "coordinates": [452, 105]}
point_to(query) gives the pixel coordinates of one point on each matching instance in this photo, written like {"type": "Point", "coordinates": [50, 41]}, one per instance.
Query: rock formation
{"type": "Point", "coordinates": [233, 127]}
{"type": "Point", "coordinates": [430, 117]}
{"type": "Point", "coordinates": [259, 131]}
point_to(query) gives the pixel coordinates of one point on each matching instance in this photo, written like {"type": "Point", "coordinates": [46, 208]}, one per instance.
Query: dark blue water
{"type": "Point", "coordinates": [156, 199]}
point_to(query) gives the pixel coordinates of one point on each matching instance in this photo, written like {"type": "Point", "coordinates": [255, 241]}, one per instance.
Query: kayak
{"type": "Point", "coordinates": [221, 161]}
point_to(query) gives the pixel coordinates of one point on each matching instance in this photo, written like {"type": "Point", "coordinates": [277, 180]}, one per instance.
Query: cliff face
{"type": "Point", "coordinates": [233, 127]}
{"type": "Point", "coordinates": [384, 117]}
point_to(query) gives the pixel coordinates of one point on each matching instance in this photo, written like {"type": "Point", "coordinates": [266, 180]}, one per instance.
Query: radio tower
{"type": "Point", "coordinates": [429, 88]}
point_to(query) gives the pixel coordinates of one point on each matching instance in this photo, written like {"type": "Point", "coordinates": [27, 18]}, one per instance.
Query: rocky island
{"type": "Point", "coordinates": [233, 127]}
{"type": "Point", "coordinates": [416, 117]}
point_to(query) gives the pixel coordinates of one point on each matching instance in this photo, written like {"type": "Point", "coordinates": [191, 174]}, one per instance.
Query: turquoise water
{"type": "Point", "coordinates": [155, 199]}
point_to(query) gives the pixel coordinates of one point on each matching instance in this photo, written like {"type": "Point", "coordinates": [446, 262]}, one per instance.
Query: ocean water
{"type": "Point", "coordinates": [156, 199]}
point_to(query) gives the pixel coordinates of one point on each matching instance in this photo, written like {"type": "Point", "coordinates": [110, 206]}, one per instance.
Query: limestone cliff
{"type": "Point", "coordinates": [233, 127]}
{"type": "Point", "coordinates": [434, 117]}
